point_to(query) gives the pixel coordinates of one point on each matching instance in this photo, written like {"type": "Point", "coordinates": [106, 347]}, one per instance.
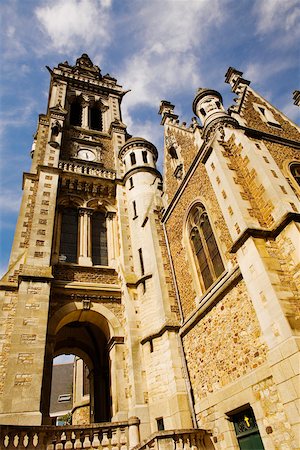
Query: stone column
{"type": "Point", "coordinates": [57, 234]}
{"type": "Point", "coordinates": [85, 115]}
{"type": "Point", "coordinates": [111, 241]}
{"type": "Point", "coordinates": [84, 237]}
{"type": "Point", "coordinates": [47, 380]}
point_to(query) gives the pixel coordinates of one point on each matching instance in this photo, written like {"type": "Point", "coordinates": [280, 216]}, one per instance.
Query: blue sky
{"type": "Point", "coordinates": [160, 49]}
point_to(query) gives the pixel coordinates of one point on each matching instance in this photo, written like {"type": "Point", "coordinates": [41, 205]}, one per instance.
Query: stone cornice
{"type": "Point", "coordinates": [253, 133]}
{"type": "Point", "coordinates": [140, 169]}
{"type": "Point", "coordinates": [135, 142]}
{"type": "Point", "coordinates": [264, 233]}
{"type": "Point", "coordinates": [216, 292]}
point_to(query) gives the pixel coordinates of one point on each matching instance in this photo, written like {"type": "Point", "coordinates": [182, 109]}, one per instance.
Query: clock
{"type": "Point", "coordinates": [86, 154]}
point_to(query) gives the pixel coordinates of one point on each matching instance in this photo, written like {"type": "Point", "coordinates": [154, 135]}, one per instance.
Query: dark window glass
{"type": "Point", "coordinates": [95, 118]}
{"type": "Point", "coordinates": [131, 182]}
{"type": "Point", "coordinates": [69, 235]}
{"type": "Point", "coordinates": [295, 171]}
{"type": "Point", "coordinates": [160, 424]}
{"type": "Point", "coordinates": [205, 246]}
{"type": "Point", "coordinates": [99, 239]}
{"type": "Point", "coordinates": [145, 156]}
{"type": "Point", "coordinates": [132, 158]}
{"type": "Point", "coordinates": [173, 153]}
{"type": "Point", "coordinates": [76, 114]}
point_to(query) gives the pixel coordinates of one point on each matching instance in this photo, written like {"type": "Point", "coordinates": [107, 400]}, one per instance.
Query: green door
{"type": "Point", "coordinates": [246, 430]}
{"type": "Point", "coordinates": [251, 442]}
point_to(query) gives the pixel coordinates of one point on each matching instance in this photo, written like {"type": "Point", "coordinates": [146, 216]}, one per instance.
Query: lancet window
{"type": "Point", "coordinates": [95, 117]}
{"type": "Point", "coordinates": [86, 114]}
{"type": "Point", "coordinates": [76, 113]}
{"type": "Point", "coordinates": [69, 235]}
{"type": "Point", "coordinates": [205, 250]}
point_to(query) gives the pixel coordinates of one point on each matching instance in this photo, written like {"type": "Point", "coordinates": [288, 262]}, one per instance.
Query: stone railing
{"type": "Point", "coordinates": [178, 440]}
{"type": "Point", "coordinates": [101, 436]}
{"type": "Point", "coordinates": [84, 169]}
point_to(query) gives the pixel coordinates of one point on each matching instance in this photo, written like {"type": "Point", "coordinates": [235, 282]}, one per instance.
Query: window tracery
{"type": "Point", "coordinates": [205, 250]}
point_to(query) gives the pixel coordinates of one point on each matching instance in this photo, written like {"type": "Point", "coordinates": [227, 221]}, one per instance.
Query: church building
{"type": "Point", "coordinates": [177, 292]}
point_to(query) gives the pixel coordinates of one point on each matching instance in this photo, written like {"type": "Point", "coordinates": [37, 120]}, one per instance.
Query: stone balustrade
{"type": "Point", "coordinates": [103, 436]}
{"type": "Point", "coordinates": [194, 439]}
{"type": "Point", "coordinates": [84, 169]}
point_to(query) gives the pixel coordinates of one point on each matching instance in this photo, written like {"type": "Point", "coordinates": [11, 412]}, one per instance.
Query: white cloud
{"type": "Point", "coordinates": [170, 35]}
{"type": "Point", "coordinates": [17, 116]}
{"type": "Point", "coordinates": [279, 16]}
{"type": "Point", "coordinates": [70, 23]}
{"type": "Point", "coordinates": [258, 71]}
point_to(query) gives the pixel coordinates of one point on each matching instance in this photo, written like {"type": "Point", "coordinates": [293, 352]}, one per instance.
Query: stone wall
{"type": "Point", "coordinates": [199, 187]}
{"type": "Point", "coordinates": [254, 120]}
{"type": "Point", "coordinates": [225, 344]}
{"type": "Point", "coordinates": [81, 416]}
{"type": "Point", "coordinates": [187, 151]}
{"type": "Point", "coordinates": [7, 318]}
{"type": "Point", "coordinates": [85, 274]}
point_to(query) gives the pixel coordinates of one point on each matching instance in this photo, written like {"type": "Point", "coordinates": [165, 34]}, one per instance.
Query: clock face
{"type": "Point", "coordinates": [86, 154]}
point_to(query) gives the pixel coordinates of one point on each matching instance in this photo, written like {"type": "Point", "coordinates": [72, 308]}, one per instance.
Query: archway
{"type": "Point", "coordinates": [84, 333]}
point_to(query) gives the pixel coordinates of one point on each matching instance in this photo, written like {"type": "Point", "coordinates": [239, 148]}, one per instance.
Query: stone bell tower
{"type": "Point", "coordinates": [89, 273]}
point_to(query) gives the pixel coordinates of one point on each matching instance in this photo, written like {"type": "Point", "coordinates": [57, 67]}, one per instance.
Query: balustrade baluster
{"type": "Point", "coordinates": [193, 442]}
{"type": "Point", "coordinates": [87, 442]}
{"type": "Point", "coordinates": [78, 443]}
{"type": "Point", "coordinates": [123, 439]}
{"type": "Point", "coordinates": [105, 441]}
{"type": "Point", "coordinates": [50, 446]}
{"type": "Point", "coordinates": [16, 440]}
{"type": "Point", "coordinates": [96, 442]}
{"type": "Point", "coordinates": [69, 443]}
{"type": "Point", "coordinates": [114, 440]}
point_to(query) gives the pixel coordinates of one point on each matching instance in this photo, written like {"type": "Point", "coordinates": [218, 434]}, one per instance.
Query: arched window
{"type": "Point", "coordinates": [76, 113]}
{"type": "Point", "coordinates": [173, 153]}
{"type": "Point", "coordinates": [295, 171]}
{"type": "Point", "coordinates": [69, 235]}
{"type": "Point", "coordinates": [99, 239]}
{"type": "Point", "coordinates": [208, 259]}
{"type": "Point", "coordinates": [95, 118]}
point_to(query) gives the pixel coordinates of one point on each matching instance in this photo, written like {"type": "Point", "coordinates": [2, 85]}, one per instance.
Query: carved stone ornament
{"type": "Point", "coordinates": [178, 173]}
{"type": "Point", "coordinates": [170, 141]}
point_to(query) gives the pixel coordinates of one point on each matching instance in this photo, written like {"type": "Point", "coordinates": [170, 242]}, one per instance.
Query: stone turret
{"type": "Point", "coordinates": [208, 106]}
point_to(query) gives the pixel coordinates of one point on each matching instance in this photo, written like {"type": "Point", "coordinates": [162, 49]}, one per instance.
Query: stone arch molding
{"type": "Point", "coordinates": [98, 314]}
{"type": "Point", "coordinates": [81, 202]}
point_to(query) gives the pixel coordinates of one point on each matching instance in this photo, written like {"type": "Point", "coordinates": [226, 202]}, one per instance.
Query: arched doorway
{"type": "Point", "coordinates": [85, 334]}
